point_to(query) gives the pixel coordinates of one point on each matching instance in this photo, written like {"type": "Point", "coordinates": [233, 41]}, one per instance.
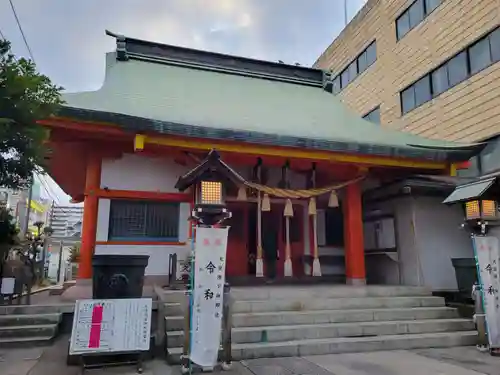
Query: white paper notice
{"type": "Point", "coordinates": [8, 284]}
{"type": "Point", "coordinates": [487, 253]}
{"type": "Point", "coordinates": [209, 272]}
{"type": "Point", "coordinates": [114, 325]}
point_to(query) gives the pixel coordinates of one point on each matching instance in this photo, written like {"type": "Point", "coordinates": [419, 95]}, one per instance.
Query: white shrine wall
{"type": "Point", "coordinates": [428, 236]}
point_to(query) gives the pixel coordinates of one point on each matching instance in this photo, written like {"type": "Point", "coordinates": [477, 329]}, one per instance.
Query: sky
{"type": "Point", "coordinates": [68, 42]}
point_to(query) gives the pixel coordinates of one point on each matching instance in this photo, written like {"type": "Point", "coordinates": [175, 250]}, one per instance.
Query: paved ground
{"type": "Point", "coordinates": [453, 361]}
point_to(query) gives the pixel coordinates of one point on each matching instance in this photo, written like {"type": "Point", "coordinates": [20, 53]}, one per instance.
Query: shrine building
{"type": "Point", "coordinates": [303, 168]}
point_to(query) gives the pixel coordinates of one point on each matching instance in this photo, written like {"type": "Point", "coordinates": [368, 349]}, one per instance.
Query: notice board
{"type": "Point", "coordinates": [111, 326]}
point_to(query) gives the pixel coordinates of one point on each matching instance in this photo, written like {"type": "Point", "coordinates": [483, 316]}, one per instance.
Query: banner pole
{"type": "Point", "coordinates": [191, 295]}
{"type": "Point", "coordinates": [187, 366]}
{"type": "Point", "coordinates": [482, 319]}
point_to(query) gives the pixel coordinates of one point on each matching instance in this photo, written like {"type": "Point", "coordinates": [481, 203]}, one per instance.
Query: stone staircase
{"type": "Point", "coordinates": [299, 321]}
{"type": "Point", "coordinates": [27, 326]}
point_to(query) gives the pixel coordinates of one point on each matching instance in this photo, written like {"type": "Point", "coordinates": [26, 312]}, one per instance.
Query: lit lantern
{"type": "Point", "coordinates": [208, 180]}
{"type": "Point", "coordinates": [481, 210]}
{"type": "Point", "coordinates": [479, 198]}
{"type": "Point", "coordinates": [210, 193]}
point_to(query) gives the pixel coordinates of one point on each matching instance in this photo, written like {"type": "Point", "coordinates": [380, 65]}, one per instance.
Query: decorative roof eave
{"type": "Point", "coordinates": [145, 125]}
{"type": "Point", "coordinates": [438, 186]}
{"type": "Point", "coordinates": [213, 167]}
{"type": "Point", "coordinates": [211, 164]}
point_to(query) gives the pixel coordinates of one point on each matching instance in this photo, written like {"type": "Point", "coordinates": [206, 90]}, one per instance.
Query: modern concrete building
{"type": "Point", "coordinates": [429, 67]}
{"type": "Point", "coordinates": [66, 221]}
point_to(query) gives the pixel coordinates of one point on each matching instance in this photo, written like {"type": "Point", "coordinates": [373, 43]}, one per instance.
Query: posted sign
{"type": "Point", "coordinates": [210, 265]}
{"type": "Point", "coordinates": [112, 325]}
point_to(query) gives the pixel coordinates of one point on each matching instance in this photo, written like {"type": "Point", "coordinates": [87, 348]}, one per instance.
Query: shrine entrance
{"type": "Point", "coordinates": [242, 239]}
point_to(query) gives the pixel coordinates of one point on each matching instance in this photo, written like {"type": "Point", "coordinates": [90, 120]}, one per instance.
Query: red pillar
{"type": "Point", "coordinates": [90, 205]}
{"type": "Point", "coordinates": [353, 236]}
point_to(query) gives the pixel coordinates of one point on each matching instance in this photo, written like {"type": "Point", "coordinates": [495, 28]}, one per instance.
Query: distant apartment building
{"type": "Point", "coordinates": [429, 67]}
{"type": "Point", "coordinates": [66, 221]}
{"type": "Point", "coordinates": [17, 202]}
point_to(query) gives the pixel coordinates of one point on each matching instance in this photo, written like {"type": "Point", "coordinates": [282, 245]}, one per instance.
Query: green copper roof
{"type": "Point", "coordinates": [167, 94]}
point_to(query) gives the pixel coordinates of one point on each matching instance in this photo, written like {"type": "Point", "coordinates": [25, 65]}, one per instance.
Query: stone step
{"type": "Point", "coordinates": [336, 304]}
{"type": "Point", "coordinates": [36, 309]}
{"type": "Point", "coordinates": [324, 291]}
{"type": "Point", "coordinates": [322, 304]}
{"type": "Point", "coordinates": [332, 330]}
{"type": "Point", "coordinates": [41, 330]}
{"type": "Point", "coordinates": [22, 342]}
{"type": "Point", "coordinates": [174, 308]}
{"type": "Point", "coordinates": [341, 316]}
{"type": "Point", "coordinates": [29, 319]}
{"type": "Point", "coordinates": [175, 323]}
{"type": "Point", "coordinates": [345, 345]}
{"type": "Point", "coordinates": [310, 292]}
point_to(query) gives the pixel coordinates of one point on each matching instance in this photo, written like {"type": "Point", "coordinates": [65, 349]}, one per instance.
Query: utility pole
{"type": "Point", "coordinates": [346, 21]}
{"type": "Point", "coordinates": [26, 223]}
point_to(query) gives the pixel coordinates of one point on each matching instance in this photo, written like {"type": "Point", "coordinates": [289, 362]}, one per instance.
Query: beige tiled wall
{"type": "Point", "coordinates": [470, 111]}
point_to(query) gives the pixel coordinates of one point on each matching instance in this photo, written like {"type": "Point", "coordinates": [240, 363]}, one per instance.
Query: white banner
{"type": "Point", "coordinates": [487, 254]}
{"type": "Point", "coordinates": [209, 272]}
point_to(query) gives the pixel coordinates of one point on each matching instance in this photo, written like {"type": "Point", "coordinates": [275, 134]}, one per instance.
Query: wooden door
{"type": "Point", "coordinates": [272, 225]}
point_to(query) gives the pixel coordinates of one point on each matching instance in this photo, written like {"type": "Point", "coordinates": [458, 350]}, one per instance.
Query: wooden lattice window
{"type": "Point", "coordinates": [143, 221]}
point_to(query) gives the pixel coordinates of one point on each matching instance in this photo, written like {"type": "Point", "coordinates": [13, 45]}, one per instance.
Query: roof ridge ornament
{"type": "Point", "coordinates": [121, 46]}
{"type": "Point", "coordinates": [132, 48]}
{"type": "Point", "coordinates": [327, 81]}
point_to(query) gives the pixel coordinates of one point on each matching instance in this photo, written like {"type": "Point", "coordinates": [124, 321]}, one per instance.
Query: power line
{"type": "Point", "coordinates": [3, 36]}
{"type": "Point", "coordinates": [21, 30]}
{"type": "Point", "coordinates": [46, 185]}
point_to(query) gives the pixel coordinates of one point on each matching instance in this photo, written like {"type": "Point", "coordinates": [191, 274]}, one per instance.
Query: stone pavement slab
{"type": "Point", "coordinates": [399, 362]}
{"type": "Point", "coordinates": [466, 357]}
{"type": "Point", "coordinates": [18, 361]}
{"type": "Point", "coordinates": [51, 360]}
{"type": "Point", "coordinates": [159, 367]}
{"type": "Point", "coordinates": [283, 366]}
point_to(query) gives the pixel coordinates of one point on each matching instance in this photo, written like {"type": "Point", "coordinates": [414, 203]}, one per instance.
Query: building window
{"type": "Point", "coordinates": [336, 85]}
{"type": "Point", "coordinates": [439, 80]}
{"type": "Point", "coordinates": [495, 45]}
{"type": "Point", "coordinates": [344, 79]}
{"type": "Point", "coordinates": [371, 54]}
{"type": "Point", "coordinates": [353, 70]}
{"type": "Point", "coordinates": [373, 115]}
{"type": "Point", "coordinates": [430, 5]}
{"type": "Point", "coordinates": [408, 99]}
{"type": "Point", "coordinates": [457, 69]}
{"type": "Point", "coordinates": [416, 12]}
{"type": "Point", "coordinates": [414, 15]}
{"type": "Point", "coordinates": [480, 56]}
{"type": "Point", "coordinates": [362, 62]}
{"type": "Point", "coordinates": [422, 90]}
{"type": "Point", "coordinates": [402, 25]}
{"type": "Point", "coordinates": [473, 59]}
{"type": "Point", "coordinates": [143, 221]}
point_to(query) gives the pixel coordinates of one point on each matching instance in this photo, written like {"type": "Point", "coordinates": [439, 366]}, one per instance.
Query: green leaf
{"type": "Point", "coordinates": [26, 97]}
